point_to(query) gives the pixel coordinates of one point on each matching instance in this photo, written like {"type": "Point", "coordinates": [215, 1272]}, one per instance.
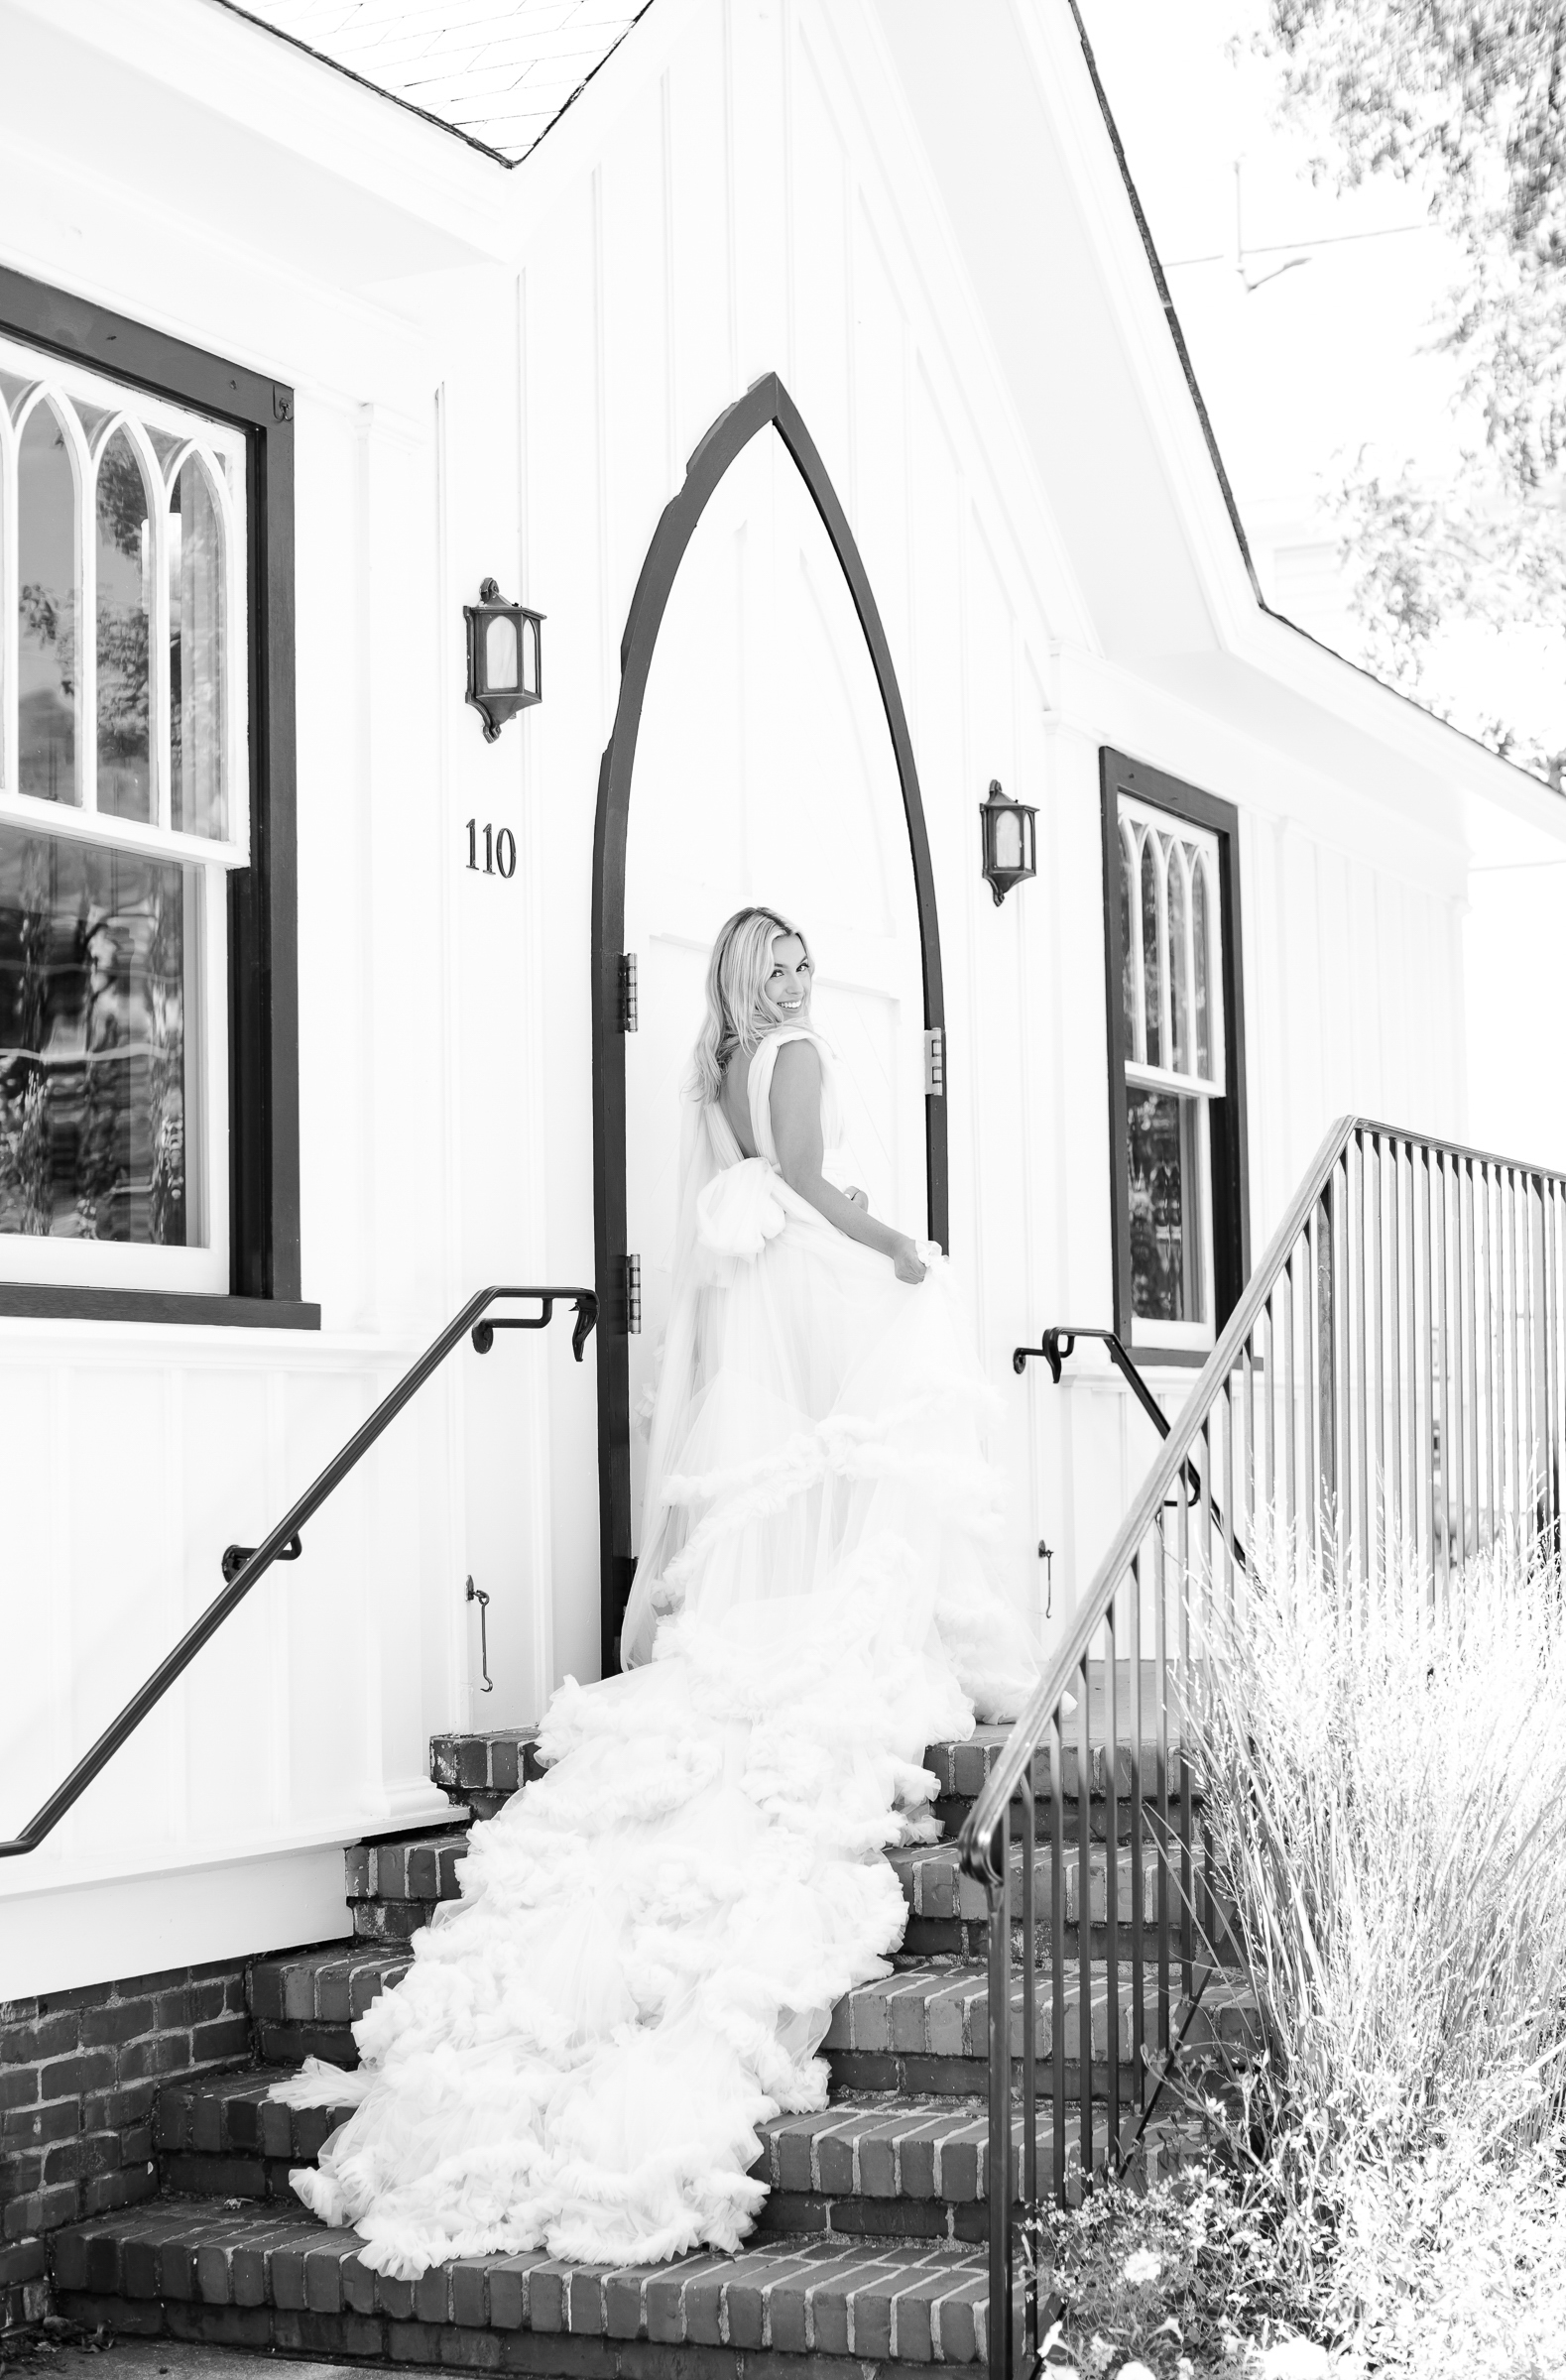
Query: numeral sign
{"type": "Point", "coordinates": [500, 850]}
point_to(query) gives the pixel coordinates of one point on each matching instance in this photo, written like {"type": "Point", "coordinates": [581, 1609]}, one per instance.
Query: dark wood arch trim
{"type": "Point", "coordinates": [765, 404]}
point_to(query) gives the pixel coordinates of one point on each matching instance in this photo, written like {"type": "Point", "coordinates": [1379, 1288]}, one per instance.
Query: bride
{"type": "Point", "coordinates": [651, 1937]}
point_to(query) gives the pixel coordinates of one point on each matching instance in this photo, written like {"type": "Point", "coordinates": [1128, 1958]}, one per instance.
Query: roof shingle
{"type": "Point", "coordinates": [497, 72]}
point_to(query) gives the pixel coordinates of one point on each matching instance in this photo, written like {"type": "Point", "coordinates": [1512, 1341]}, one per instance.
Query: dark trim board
{"type": "Point", "coordinates": [263, 939]}
{"type": "Point", "coordinates": [1227, 1117]}
{"type": "Point", "coordinates": [41, 1301]}
{"type": "Point", "coordinates": [765, 404]}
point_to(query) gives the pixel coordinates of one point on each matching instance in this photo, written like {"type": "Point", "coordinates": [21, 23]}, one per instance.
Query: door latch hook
{"type": "Point", "coordinates": [476, 1595]}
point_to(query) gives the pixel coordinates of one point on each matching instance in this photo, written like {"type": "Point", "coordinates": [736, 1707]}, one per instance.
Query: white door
{"type": "Point", "coordinates": [764, 772]}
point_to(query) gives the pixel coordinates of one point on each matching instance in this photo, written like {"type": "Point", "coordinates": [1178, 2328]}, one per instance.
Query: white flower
{"type": "Point", "coordinates": [1141, 2265]}
{"type": "Point", "coordinates": [1136, 2371]}
{"type": "Point", "coordinates": [1295, 2359]}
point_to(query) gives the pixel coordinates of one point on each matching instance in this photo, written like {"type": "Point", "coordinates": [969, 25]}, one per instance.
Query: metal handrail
{"type": "Point", "coordinates": [243, 1566]}
{"type": "Point", "coordinates": [1392, 1377]}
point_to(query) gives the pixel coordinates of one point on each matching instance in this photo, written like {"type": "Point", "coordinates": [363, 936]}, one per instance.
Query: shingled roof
{"type": "Point", "coordinates": [497, 73]}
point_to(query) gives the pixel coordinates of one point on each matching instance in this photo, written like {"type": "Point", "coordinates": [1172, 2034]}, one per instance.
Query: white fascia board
{"type": "Point", "coordinates": [954, 324]}
{"type": "Point", "coordinates": [1065, 93]}
{"type": "Point", "coordinates": [252, 307]}
{"type": "Point", "coordinates": [1496, 797]}
{"type": "Point", "coordinates": [240, 71]}
{"type": "Point", "coordinates": [1411, 825]}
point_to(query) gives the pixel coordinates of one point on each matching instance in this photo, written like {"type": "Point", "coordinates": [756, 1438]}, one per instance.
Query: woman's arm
{"type": "Point", "coordinates": [797, 1130]}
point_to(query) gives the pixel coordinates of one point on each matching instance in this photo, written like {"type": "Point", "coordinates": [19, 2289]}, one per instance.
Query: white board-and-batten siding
{"type": "Point", "coordinates": [751, 199]}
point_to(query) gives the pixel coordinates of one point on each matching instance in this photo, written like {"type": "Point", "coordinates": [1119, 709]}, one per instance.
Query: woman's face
{"type": "Point", "coordinates": [788, 979]}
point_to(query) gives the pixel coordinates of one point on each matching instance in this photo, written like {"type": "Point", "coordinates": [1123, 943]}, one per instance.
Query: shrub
{"type": "Point", "coordinates": [1385, 1781]}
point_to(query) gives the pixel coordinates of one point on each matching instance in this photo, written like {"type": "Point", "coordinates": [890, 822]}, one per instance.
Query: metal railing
{"type": "Point", "coordinates": [244, 1565]}
{"type": "Point", "coordinates": [1388, 1390]}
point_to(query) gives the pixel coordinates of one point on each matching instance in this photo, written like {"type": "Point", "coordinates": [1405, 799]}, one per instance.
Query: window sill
{"type": "Point", "coordinates": [45, 1301]}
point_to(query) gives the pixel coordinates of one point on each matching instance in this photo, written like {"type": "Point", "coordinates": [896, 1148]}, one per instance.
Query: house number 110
{"type": "Point", "coordinates": [500, 851]}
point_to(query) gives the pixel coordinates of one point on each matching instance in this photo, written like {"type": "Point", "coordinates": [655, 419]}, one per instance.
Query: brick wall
{"type": "Point", "coordinates": [80, 2073]}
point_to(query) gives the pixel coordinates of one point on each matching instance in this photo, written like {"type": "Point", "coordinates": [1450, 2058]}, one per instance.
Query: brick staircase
{"type": "Point", "coordinates": [869, 2250]}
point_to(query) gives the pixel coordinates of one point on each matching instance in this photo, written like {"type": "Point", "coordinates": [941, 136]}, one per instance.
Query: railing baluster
{"type": "Point", "coordinates": [1183, 1541]}
{"type": "Point", "coordinates": [1058, 1952]}
{"type": "Point", "coordinates": [1315, 1438]}
{"type": "Point", "coordinates": [1028, 2178]}
{"type": "Point", "coordinates": [1139, 1987]}
{"type": "Point", "coordinates": [1359, 1291]}
{"type": "Point", "coordinates": [1439, 1520]}
{"type": "Point", "coordinates": [1084, 1919]}
{"type": "Point", "coordinates": [1372, 1145]}
{"type": "Point", "coordinates": [1469, 1351]}
{"type": "Point", "coordinates": [1160, 1622]}
{"type": "Point", "coordinates": [1290, 1410]}
{"type": "Point", "coordinates": [1269, 1425]}
{"type": "Point", "coordinates": [1514, 1436]}
{"type": "Point", "coordinates": [998, 2171]}
{"type": "Point", "coordinates": [1111, 1871]}
{"type": "Point", "coordinates": [1394, 1268]}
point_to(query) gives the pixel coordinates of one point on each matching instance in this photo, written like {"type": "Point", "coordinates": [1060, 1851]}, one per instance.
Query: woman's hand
{"type": "Point", "coordinates": [907, 1263]}
{"type": "Point", "coordinates": [856, 1197]}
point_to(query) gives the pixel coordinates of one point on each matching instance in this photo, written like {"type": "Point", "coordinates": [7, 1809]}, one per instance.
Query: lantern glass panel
{"type": "Point", "coordinates": [1008, 841]}
{"type": "Point", "coordinates": [530, 657]}
{"type": "Point", "coordinates": [500, 655]}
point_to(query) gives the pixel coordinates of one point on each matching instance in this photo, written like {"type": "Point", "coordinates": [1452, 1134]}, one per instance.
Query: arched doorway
{"type": "Point", "coordinates": [771, 638]}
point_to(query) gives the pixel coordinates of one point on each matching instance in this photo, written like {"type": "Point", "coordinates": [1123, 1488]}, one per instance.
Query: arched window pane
{"type": "Point", "coordinates": [1128, 971]}
{"type": "Point", "coordinates": [1151, 955]}
{"type": "Point", "coordinates": [197, 633]}
{"type": "Point", "coordinates": [124, 647]}
{"type": "Point", "coordinates": [1179, 1021]}
{"type": "Point", "coordinates": [93, 1084]}
{"type": "Point", "coordinates": [1204, 1040]}
{"type": "Point", "coordinates": [46, 558]}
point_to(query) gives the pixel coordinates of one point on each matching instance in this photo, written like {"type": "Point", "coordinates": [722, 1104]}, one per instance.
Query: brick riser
{"type": "Point", "coordinates": [185, 2271]}
{"type": "Point", "coordinates": [868, 2167]}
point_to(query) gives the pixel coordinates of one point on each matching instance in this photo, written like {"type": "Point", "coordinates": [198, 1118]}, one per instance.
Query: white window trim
{"type": "Point", "coordinates": [1193, 847]}
{"type": "Point", "coordinates": [221, 451]}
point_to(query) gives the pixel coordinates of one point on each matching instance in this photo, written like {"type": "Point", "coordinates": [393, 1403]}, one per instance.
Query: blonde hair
{"type": "Point", "coordinates": [739, 1012]}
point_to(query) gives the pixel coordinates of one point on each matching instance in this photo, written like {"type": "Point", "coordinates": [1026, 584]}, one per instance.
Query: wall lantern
{"type": "Point", "coordinates": [1007, 832]}
{"type": "Point", "coordinates": [505, 671]}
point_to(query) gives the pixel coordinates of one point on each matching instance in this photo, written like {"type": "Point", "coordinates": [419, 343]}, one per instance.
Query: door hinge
{"type": "Point", "coordinates": [934, 1061]}
{"type": "Point", "coordinates": [628, 992]}
{"type": "Point", "coordinates": [633, 1296]}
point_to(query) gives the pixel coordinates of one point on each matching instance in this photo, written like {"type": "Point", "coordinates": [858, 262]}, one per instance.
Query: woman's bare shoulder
{"type": "Point", "coordinates": [797, 1068]}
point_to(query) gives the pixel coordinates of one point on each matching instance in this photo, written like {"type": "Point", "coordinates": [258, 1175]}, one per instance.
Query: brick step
{"type": "Point", "coordinates": [919, 2030]}
{"type": "Point", "coordinates": [962, 1771]}
{"type": "Point", "coordinates": [865, 2166]}
{"type": "Point", "coordinates": [923, 2031]}
{"type": "Point", "coordinates": [303, 2003]}
{"type": "Point", "coordinates": [396, 1883]}
{"type": "Point", "coordinates": [481, 1772]}
{"type": "Point", "coordinates": [948, 1914]}
{"type": "Point", "coordinates": [253, 2279]}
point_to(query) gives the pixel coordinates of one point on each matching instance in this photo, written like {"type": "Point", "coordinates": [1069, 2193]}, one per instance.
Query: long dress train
{"type": "Point", "coordinates": [651, 1937]}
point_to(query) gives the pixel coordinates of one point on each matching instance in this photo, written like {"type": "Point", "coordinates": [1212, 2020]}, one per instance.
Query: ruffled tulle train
{"type": "Point", "coordinates": [651, 1937]}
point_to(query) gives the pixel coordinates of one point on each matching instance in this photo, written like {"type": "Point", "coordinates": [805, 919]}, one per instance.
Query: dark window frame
{"type": "Point", "coordinates": [1229, 1161]}
{"type": "Point", "coordinates": [263, 933]}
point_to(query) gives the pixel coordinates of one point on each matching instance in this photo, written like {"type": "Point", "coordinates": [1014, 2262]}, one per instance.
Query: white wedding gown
{"type": "Point", "coordinates": [651, 1937]}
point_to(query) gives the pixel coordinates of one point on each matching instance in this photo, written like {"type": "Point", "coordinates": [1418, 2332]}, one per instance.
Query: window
{"type": "Point", "coordinates": [148, 1100]}
{"type": "Point", "coordinates": [1177, 1092]}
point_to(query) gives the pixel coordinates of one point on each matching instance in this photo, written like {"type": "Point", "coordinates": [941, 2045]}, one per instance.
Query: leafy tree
{"type": "Point", "coordinates": [1464, 100]}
